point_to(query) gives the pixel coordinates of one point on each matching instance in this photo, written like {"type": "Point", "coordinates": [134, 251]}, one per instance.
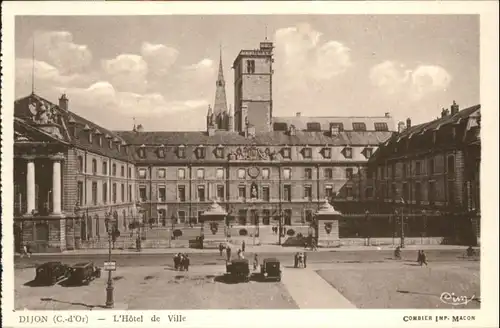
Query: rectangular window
{"type": "Point", "coordinates": [104, 193]}
{"type": "Point", "coordinates": [379, 126]}
{"type": "Point", "coordinates": [358, 126]}
{"type": "Point", "coordinates": [418, 168]}
{"type": "Point", "coordinates": [287, 174]}
{"type": "Point", "coordinates": [242, 217]}
{"type": "Point", "coordinates": [287, 193]}
{"type": "Point", "coordinates": [313, 126]}
{"type": "Point", "coordinates": [328, 173]}
{"type": "Point", "coordinates": [431, 166]}
{"type": "Point", "coordinates": [418, 192]}
{"type": "Point", "coordinates": [406, 192]}
{"type": "Point", "coordinates": [219, 174]}
{"type": "Point", "coordinates": [219, 152]}
{"type": "Point", "coordinates": [250, 66]}
{"type": "Point", "coordinates": [242, 192]}
{"type": "Point", "coordinates": [308, 174]}
{"type": "Point", "coordinates": [142, 173]}
{"type": "Point", "coordinates": [80, 193]}
{"type": "Point", "coordinates": [266, 217]}
{"type": "Point", "coordinates": [181, 174]}
{"type": "Point", "coordinates": [348, 173]}
{"type": "Point", "coordinates": [201, 193]}
{"type": "Point", "coordinates": [162, 194]}
{"type": "Point", "coordinates": [287, 153]}
{"type": "Point", "coordinates": [181, 193]}
{"type": "Point", "coordinates": [161, 173]}
{"type": "Point", "coordinates": [265, 193]}
{"type": "Point", "coordinates": [327, 152]}
{"type": "Point", "coordinates": [307, 152]}
{"type": "Point", "coordinates": [265, 174]}
{"type": "Point", "coordinates": [368, 152]}
{"type": "Point", "coordinates": [329, 192]}
{"type": "Point", "coordinates": [114, 170]}
{"type": "Point", "coordinates": [308, 215]}
{"type": "Point", "coordinates": [432, 192]}
{"type": "Point", "coordinates": [122, 193]}
{"type": "Point", "coordinates": [337, 127]}
{"type": "Point", "coordinates": [94, 193]}
{"type": "Point", "coordinates": [129, 172]}
{"type": "Point", "coordinates": [122, 171]}
{"type": "Point", "coordinates": [200, 174]}
{"type": "Point", "coordinates": [308, 192]}
{"type": "Point", "coordinates": [348, 192]}
{"type": "Point", "coordinates": [181, 152]}
{"type": "Point", "coordinates": [200, 152]}
{"type": "Point", "coordinates": [142, 193]}
{"type": "Point", "coordinates": [129, 193]}
{"type": "Point", "coordinates": [104, 168]}
{"type": "Point", "coordinates": [114, 193]}
{"type": "Point", "coordinates": [287, 217]}
{"type": "Point", "coordinates": [348, 152]}
{"type": "Point", "coordinates": [241, 173]}
{"type": "Point", "coordinates": [181, 216]}
{"type": "Point", "coordinates": [220, 193]}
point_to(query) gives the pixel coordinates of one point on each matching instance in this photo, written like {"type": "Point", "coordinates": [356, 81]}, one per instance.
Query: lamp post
{"type": "Point", "coordinates": [367, 227]}
{"type": "Point", "coordinates": [402, 228]}
{"type": "Point", "coordinates": [424, 224]}
{"type": "Point", "coordinates": [280, 227]}
{"type": "Point", "coordinates": [109, 286]}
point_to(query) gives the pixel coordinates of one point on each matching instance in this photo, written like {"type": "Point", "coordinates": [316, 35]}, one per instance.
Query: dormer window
{"type": "Point", "coordinates": [142, 173]}
{"type": "Point", "coordinates": [91, 137]}
{"type": "Point", "coordinates": [327, 152]}
{"type": "Point", "coordinates": [335, 128]}
{"type": "Point", "coordinates": [110, 144]}
{"type": "Point", "coordinates": [368, 152]}
{"type": "Point", "coordinates": [219, 151]}
{"type": "Point", "coordinates": [200, 152]}
{"type": "Point", "coordinates": [161, 151]}
{"type": "Point", "coordinates": [381, 126]}
{"type": "Point", "coordinates": [142, 151]}
{"type": "Point", "coordinates": [347, 152]}
{"type": "Point", "coordinates": [359, 126]}
{"type": "Point", "coordinates": [286, 152]}
{"type": "Point", "coordinates": [313, 126]}
{"type": "Point", "coordinates": [307, 152]}
{"type": "Point", "coordinates": [181, 151]}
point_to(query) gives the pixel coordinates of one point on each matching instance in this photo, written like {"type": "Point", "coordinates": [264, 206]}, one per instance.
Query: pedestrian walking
{"type": "Point", "coordinates": [221, 248]}
{"type": "Point", "coordinates": [240, 254]}
{"type": "Point", "coordinates": [25, 251]}
{"type": "Point", "coordinates": [243, 246]}
{"type": "Point", "coordinates": [177, 259]}
{"type": "Point", "coordinates": [228, 253]}
{"type": "Point", "coordinates": [296, 260]}
{"type": "Point", "coordinates": [305, 260]}
{"type": "Point", "coordinates": [419, 256]}
{"type": "Point", "coordinates": [186, 262]}
{"type": "Point", "coordinates": [423, 258]}
{"type": "Point", "coordinates": [255, 262]}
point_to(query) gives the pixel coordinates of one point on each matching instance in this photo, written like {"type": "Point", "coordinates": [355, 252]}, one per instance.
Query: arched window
{"type": "Point", "coordinates": [94, 166]}
{"type": "Point", "coordinates": [80, 164]}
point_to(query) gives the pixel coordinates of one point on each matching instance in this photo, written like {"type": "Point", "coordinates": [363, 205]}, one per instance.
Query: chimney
{"type": "Point", "coordinates": [401, 127]}
{"type": "Point", "coordinates": [298, 114]}
{"type": "Point", "coordinates": [63, 102]}
{"type": "Point", "coordinates": [387, 115]}
{"type": "Point", "coordinates": [408, 123]}
{"type": "Point", "coordinates": [454, 108]}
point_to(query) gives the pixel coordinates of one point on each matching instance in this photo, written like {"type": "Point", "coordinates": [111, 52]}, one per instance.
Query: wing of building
{"type": "Point", "coordinates": [75, 180]}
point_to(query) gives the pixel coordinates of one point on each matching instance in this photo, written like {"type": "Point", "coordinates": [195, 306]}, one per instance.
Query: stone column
{"type": "Point", "coordinates": [56, 186]}
{"type": "Point", "coordinates": [30, 186]}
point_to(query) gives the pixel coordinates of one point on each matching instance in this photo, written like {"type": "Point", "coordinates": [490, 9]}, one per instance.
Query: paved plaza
{"type": "Point", "coordinates": [331, 280]}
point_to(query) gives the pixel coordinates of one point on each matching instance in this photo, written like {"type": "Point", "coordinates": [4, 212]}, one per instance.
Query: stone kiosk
{"type": "Point", "coordinates": [214, 226]}
{"type": "Point", "coordinates": [327, 229]}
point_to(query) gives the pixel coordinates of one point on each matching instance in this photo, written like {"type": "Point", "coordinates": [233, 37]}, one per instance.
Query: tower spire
{"type": "Point", "coordinates": [220, 102]}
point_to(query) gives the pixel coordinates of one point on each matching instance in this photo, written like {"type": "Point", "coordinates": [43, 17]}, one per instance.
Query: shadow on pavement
{"type": "Point", "coordinates": [34, 283]}
{"type": "Point", "coordinates": [89, 306]}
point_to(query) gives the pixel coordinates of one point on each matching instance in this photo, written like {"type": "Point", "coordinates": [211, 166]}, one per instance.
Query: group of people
{"type": "Point", "coordinates": [181, 262]}
{"type": "Point", "coordinates": [240, 252]}
{"type": "Point", "coordinates": [300, 260]}
{"type": "Point", "coordinates": [421, 256]}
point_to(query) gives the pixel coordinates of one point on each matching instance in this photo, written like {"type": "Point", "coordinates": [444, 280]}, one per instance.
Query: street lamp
{"type": "Point", "coordinates": [367, 228]}
{"type": "Point", "coordinates": [402, 228]}
{"type": "Point", "coordinates": [424, 224]}
{"type": "Point", "coordinates": [109, 286]}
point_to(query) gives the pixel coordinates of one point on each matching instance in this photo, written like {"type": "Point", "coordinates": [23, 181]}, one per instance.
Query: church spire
{"type": "Point", "coordinates": [220, 103]}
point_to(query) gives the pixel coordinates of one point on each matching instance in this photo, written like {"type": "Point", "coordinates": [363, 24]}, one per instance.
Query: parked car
{"type": "Point", "coordinates": [49, 273]}
{"type": "Point", "coordinates": [270, 269]}
{"type": "Point", "coordinates": [239, 270]}
{"type": "Point", "coordinates": [83, 273]}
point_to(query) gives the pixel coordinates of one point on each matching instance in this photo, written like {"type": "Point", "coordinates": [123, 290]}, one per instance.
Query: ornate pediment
{"type": "Point", "coordinates": [46, 116]}
{"type": "Point", "coordinates": [252, 153]}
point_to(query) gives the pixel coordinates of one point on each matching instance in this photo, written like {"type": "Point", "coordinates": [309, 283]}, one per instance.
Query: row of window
{"type": "Point", "coordinates": [406, 168]}
{"type": "Point", "coordinates": [104, 168]}
{"type": "Point", "coordinates": [286, 152]}
{"type": "Point", "coordinates": [242, 173]}
{"type": "Point", "coordinates": [406, 192]}
{"type": "Point", "coordinates": [264, 194]}
{"type": "Point", "coordinates": [94, 195]}
{"type": "Point", "coordinates": [335, 127]}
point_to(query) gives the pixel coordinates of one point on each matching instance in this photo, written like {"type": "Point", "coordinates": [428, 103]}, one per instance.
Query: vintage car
{"type": "Point", "coordinates": [50, 273]}
{"type": "Point", "coordinates": [239, 270]}
{"type": "Point", "coordinates": [270, 269]}
{"type": "Point", "coordinates": [83, 273]}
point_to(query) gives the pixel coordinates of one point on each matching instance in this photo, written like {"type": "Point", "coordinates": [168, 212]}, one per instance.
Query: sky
{"type": "Point", "coordinates": [161, 70]}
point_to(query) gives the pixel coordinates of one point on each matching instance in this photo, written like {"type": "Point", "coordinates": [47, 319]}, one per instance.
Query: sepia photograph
{"type": "Point", "coordinates": [232, 161]}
